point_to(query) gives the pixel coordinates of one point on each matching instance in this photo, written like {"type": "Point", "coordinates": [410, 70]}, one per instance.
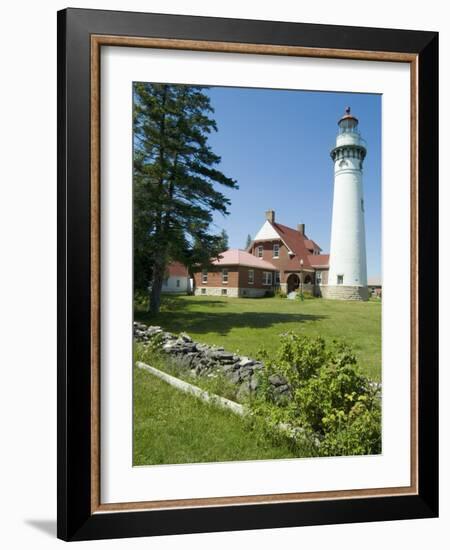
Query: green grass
{"type": "Point", "coordinates": [245, 325]}
{"type": "Point", "coordinates": [171, 427]}
{"type": "Point", "coordinates": [218, 384]}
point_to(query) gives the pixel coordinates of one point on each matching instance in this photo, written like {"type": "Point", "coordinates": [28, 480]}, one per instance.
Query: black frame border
{"type": "Point", "coordinates": [75, 521]}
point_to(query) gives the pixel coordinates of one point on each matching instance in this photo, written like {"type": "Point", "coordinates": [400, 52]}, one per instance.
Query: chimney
{"type": "Point", "coordinates": [270, 216]}
{"type": "Point", "coordinates": [301, 228]}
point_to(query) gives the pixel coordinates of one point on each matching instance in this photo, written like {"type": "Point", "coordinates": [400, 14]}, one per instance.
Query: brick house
{"type": "Point", "coordinates": [236, 274]}
{"type": "Point", "coordinates": [298, 260]}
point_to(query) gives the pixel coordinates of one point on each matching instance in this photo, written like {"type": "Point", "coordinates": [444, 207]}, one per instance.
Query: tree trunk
{"type": "Point", "coordinates": [157, 282]}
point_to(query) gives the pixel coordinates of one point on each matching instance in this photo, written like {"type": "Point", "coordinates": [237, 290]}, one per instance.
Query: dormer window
{"type": "Point", "coordinates": [259, 251]}
{"type": "Point", "coordinates": [276, 250]}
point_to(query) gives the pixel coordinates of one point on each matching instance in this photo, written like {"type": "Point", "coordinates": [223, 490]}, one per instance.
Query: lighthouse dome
{"type": "Point", "coordinates": [348, 130]}
{"type": "Point", "coordinates": [347, 122]}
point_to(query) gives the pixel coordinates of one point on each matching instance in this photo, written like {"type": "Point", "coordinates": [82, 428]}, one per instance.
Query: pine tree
{"type": "Point", "coordinates": [223, 241]}
{"type": "Point", "coordinates": [249, 242]}
{"type": "Point", "coordinates": [175, 178]}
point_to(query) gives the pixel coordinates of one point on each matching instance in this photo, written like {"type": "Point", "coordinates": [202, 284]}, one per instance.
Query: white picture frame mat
{"type": "Point", "coordinates": [120, 481]}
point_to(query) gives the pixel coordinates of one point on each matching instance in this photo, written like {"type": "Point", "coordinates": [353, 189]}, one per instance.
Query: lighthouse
{"type": "Point", "coordinates": [347, 277]}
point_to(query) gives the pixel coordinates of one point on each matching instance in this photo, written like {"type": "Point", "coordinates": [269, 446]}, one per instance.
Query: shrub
{"type": "Point", "coordinates": [332, 406]}
{"type": "Point", "coordinates": [307, 295]}
{"type": "Point", "coordinates": [279, 293]}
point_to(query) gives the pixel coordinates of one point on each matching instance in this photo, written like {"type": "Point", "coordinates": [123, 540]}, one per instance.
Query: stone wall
{"type": "Point", "coordinates": [203, 360]}
{"type": "Point", "coordinates": [343, 292]}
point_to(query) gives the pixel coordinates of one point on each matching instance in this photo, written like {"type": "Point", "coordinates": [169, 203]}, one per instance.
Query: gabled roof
{"type": "Point", "coordinates": [235, 256]}
{"type": "Point", "coordinates": [296, 243]}
{"type": "Point", "coordinates": [311, 245]}
{"type": "Point", "coordinates": [267, 232]}
{"type": "Point", "coordinates": [177, 269]}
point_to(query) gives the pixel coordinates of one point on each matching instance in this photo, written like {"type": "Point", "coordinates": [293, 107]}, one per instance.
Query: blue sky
{"type": "Point", "coordinates": [276, 144]}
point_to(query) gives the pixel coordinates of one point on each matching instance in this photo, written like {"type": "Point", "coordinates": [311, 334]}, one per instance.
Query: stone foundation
{"type": "Point", "coordinates": [342, 292]}
{"type": "Point", "coordinates": [253, 292]}
{"type": "Point", "coordinates": [232, 292]}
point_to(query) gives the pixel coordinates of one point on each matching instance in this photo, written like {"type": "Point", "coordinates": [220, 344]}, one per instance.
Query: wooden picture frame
{"type": "Point", "coordinates": [81, 35]}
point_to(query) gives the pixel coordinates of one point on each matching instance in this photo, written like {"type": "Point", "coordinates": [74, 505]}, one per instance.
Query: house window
{"type": "Point", "coordinates": [267, 278]}
{"type": "Point", "coordinates": [203, 291]}
{"type": "Point", "coordinates": [178, 283]}
{"type": "Point", "coordinates": [318, 277]}
{"type": "Point", "coordinates": [224, 291]}
{"type": "Point", "coordinates": [276, 250]}
{"type": "Point", "coordinates": [251, 276]}
{"type": "Point", "coordinates": [259, 251]}
{"type": "Point", "coordinates": [277, 277]}
{"type": "Point", "coordinates": [340, 279]}
{"type": "Point", "coordinates": [166, 281]}
{"type": "Point", "coordinates": [225, 275]}
{"type": "Point", "coordinates": [205, 276]}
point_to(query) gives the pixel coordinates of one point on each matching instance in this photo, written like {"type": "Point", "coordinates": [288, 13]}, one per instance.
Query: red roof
{"type": "Point", "coordinates": [296, 242]}
{"type": "Point", "coordinates": [235, 256]}
{"type": "Point", "coordinates": [177, 269]}
{"type": "Point", "coordinates": [311, 245]}
{"type": "Point", "coordinates": [319, 260]}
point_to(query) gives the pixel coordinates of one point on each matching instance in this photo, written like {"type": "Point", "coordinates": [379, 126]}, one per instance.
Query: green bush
{"type": "Point", "coordinates": [332, 406]}
{"type": "Point", "coordinates": [307, 295]}
{"type": "Point", "coordinates": [279, 293]}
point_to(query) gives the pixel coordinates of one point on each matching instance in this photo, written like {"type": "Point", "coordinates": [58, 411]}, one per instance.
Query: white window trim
{"type": "Point", "coordinates": [204, 276]}
{"type": "Point", "coordinates": [265, 273]}
{"type": "Point", "coordinates": [225, 282]}
{"type": "Point", "coordinates": [278, 251]}
{"type": "Point", "coordinates": [259, 249]}
{"type": "Point", "coordinates": [252, 282]}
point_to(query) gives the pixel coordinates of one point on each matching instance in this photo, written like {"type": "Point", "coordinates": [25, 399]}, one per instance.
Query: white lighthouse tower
{"type": "Point", "coordinates": [347, 277]}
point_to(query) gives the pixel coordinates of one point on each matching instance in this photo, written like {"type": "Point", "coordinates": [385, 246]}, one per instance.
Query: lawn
{"type": "Point", "coordinates": [171, 427]}
{"type": "Point", "coordinates": [246, 325]}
